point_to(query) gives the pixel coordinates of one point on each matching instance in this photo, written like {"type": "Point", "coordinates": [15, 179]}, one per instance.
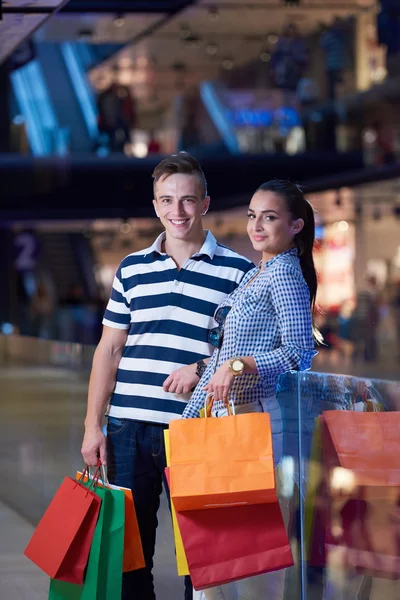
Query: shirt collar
{"type": "Point", "coordinates": [208, 248]}
{"type": "Point", "coordinates": [271, 261]}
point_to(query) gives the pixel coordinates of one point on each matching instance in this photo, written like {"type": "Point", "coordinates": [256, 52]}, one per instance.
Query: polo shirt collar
{"type": "Point", "coordinates": [208, 248]}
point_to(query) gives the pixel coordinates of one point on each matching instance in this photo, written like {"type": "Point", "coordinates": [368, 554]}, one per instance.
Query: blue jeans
{"type": "Point", "coordinates": [136, 460]}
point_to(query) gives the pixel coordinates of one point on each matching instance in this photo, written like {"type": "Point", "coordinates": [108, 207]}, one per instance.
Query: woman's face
{"type": "Point", "coordinates": [270, 226]}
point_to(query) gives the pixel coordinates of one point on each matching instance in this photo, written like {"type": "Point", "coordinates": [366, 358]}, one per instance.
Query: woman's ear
{"type": "Point", "coordinates": [297, 226]}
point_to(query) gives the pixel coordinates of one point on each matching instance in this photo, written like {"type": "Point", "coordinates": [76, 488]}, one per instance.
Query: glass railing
{"type": "Point", "coordinates": [343, 523]}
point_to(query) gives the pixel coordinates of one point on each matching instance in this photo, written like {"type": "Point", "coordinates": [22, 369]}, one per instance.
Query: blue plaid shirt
{"type": "Point", "coordinates": [269, 320]}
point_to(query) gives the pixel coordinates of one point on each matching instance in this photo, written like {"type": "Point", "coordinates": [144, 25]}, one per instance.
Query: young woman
{"type": "Point", "coordinates": [265, 329]}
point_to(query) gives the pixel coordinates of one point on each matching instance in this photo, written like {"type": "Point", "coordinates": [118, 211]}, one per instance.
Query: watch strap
{"type": "Point", "coordinates": [200, 368]}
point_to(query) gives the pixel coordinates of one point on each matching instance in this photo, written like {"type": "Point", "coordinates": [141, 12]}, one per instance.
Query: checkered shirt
{"type": "Point", "coordinates": [269, 320]}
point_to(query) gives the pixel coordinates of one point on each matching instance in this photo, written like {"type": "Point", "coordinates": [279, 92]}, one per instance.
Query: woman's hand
{"type": "Point", "coordinates": [220, 383]}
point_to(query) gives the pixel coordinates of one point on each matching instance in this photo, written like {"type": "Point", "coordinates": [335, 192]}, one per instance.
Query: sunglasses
{"type": "Point", "coordinates": [216, 335]}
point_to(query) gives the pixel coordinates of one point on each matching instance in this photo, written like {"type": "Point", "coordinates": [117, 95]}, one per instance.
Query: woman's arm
{"type": "Point", "coordinates": [291, 301]}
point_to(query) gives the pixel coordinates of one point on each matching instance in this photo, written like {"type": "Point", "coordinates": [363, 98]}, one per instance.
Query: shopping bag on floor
{"type": "Point", "coordinates": [61, 542]}
{"type": "Point", "coordinates": [133, 551]}
{"type": "Point", "coordinates": [103, 580]}
{"type": "Point", "coordinates": [234, 542]}
{"type": "Point", "coordinates": [181, 561]}
{"type": "Point", "coordinates": [366, 443]}
{"type": "Point", "coordinates": [221, 462]}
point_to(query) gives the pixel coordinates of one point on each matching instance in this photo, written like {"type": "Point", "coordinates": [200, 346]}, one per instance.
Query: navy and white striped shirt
{"type": "Point", "coordinates": [269, 320]}
{"type": "Point", "coordinates": [168, 313]}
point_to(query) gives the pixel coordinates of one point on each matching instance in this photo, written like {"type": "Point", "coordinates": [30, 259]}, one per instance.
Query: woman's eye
{"type": "Point", "coordinates": [269, 218]}
{"type": "Point", "coordinates": [250, 216]}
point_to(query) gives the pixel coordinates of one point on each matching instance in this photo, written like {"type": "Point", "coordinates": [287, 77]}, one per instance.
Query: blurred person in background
{"type": "Point", "coordinates": [289, 60]}
{"type": "Point", "coordinates": [42, 312]}
{"type": "Point", "coordinates": [366, 319]}
{"type": "Point", "coordinates": [116, 115]}
{"type": "Point", "coordinates": [334, 44]}
{"type": "Point", "coordinates": [388, 25]}
{"type": "Point", "coordinates": [153, 146]}
{"type": "Point", "coordinates": [156, 334]}
{"type": "Point", "coordinates": [346, 331]}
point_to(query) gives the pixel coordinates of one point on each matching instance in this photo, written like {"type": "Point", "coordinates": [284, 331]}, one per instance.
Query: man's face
{"type": "Point", "coordinates": [179, 203]}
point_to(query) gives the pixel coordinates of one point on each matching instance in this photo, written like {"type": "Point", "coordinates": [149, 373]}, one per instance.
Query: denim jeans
{"type": "Point", "coordinates": [136, 460]}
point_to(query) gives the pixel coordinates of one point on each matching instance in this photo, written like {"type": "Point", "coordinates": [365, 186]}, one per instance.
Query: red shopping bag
{"type": "Point", "coordinates": [366, 443]}
{"type": "Point", "coordinates": [233, 542]}
{"type": "Point", "coordinates": [60, 544]}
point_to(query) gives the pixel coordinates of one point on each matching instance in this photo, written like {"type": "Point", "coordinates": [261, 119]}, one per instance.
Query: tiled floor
{"type": "Point", "coordinates": [19, 578]}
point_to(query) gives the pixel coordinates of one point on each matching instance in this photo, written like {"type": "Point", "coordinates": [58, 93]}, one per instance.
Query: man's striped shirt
{"type": "Point", "coordinates": [168, 314]}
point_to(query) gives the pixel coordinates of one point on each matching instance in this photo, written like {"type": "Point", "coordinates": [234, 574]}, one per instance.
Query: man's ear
{"type": "Point", "coordinates": [155, 208]}
{"type": "Point", "coordinates": [206, 205]}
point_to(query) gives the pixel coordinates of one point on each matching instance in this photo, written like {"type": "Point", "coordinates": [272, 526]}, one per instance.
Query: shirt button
{"type": "Point", "coordinates": [176, 282]}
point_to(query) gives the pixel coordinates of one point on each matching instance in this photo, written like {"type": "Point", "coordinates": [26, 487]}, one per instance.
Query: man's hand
{"type": "Point", "coordinates": [94, 447]}
{"type": "Point", "coordinates": [182, 381]}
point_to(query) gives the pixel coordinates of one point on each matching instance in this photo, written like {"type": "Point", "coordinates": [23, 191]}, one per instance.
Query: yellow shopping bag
{"type": "Point", "coordinates": [181, 561]}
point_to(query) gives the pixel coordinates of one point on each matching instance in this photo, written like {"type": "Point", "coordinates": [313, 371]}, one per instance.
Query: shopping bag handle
{"type": "Point", "coordinates": [93, 479]}
{"type": "Point", "coordinates": [364, 394]}
{"type": "Point", "coordinates": [209, 402]}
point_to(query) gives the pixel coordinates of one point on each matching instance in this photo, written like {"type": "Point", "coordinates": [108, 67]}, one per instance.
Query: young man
{"type": "Point", "coordinates": [153, 346]}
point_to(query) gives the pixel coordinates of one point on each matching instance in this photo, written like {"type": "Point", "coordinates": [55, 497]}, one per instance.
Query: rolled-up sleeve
{"type": "Point", "coordinates": [117, 313]}
{"type": "Point", "coordinates": [290, 299]}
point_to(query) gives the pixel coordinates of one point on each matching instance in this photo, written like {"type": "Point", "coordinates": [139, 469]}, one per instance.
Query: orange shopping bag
{"type": "Point", "coordinates": [221, 462]}
{"type": "Point", "coordinates": [366, 443]}
{"type": "Point", "coordinates": [133, 551]}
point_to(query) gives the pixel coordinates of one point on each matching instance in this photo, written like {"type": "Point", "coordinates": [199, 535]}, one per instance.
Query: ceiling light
{"type": "Point", "coordinates": [211, 49]}
{"type": "Point", "coordinates": [272, 38]}
{"type": "Point", "coordinates": [213, 13]}
{"type": "Point", "coordinates": [227, 64]}
{"type": "Point", "coordinates": [343, 226]}
{"type": "Point", "coordinates": [119, 21]}
{"type": "Point", "coordinates": [265, 56]}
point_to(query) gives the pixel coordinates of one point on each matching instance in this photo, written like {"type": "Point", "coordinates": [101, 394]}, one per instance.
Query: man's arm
{"type": "Point", "coordinates": [101, 385]}
{"type": "Point", "coordinates": [183, 380]}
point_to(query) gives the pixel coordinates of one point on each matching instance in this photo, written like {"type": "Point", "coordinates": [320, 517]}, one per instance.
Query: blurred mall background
{"type": "Point", "coordinates": [94, 93]}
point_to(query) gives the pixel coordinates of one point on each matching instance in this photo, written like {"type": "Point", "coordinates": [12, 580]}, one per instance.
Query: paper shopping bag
{"type": "Point", "coordinates": [103, 580]}
{"type": "Point", "coordinates": [234, 542]}
{"type": "Point", "coordinates": [221, 462]}
{"type": "Point", "coordinates": [366, 443]}
{"type": "Point", "coordinates": [181, 561]}
{"type": "Point", "coordinates": [60, 544]}
{"type": "Point", "coordinates": [133, 550]}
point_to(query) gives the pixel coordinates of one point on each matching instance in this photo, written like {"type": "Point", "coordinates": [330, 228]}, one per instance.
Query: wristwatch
{"type": "Point", "coordinates": [236, 366]}
{"type": "Point", "coordinates": [200, 368]}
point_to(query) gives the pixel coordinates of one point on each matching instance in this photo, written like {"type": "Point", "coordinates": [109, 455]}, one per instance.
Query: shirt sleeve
{"type": "Point", "coordinates": [290, 298]}
{"type": "Point", "coordinates": [117, 314]}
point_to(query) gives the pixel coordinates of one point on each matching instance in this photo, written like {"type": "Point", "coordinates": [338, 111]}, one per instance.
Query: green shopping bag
{"type": "Point", "coordinates": [103, 578]}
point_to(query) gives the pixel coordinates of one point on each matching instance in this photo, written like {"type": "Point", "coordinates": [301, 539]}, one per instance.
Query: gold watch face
{"type": "Point", "coordinates": [237, 365]}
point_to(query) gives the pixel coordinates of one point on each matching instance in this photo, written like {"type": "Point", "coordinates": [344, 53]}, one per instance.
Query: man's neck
{"type": "Point", "coordinates": [181, 250]}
